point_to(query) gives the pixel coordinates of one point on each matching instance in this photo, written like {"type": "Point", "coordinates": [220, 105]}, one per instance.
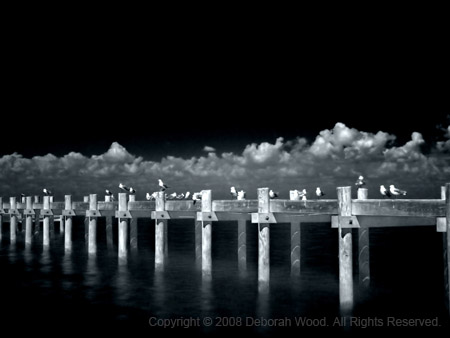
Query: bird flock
{"type": "Point", "coordinates": [239, 194]}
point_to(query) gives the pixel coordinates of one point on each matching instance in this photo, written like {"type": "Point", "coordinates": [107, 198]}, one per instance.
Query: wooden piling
{"type": "Point", "coordinates": [295, 248]}
{"type": "Point", "coordinates": [198, 243]}
{"type": "Point", "coordinates": [363, 249]}
{"type": "Point", "coordinates": [37, 218]}
{"type": "Point", "coordinates": [86, 223]}
{"type": "Point", "coordinates": [263, 239]}
{"type": "Point", "coordinates": [345, 251]}
{"type": "Point", "coordinates": [61, 224]}
{"type": "Point", "coordinates": [242, 245]}
{"type": "Point", "coordinates": [133, 228]}
{"type": "Point", "coordinates": [68, 221]}
{"type": "Point", "coordinates": [52, 220]}
{"type": "Point", "coordinates": [92, 248]}
{"type": "Point", "coordinates": [13, 220]}
{"type": "Point", "coordinates": [123, 227]}
{"type": "Point", "coordinates": [1, 218]}
{"type": "Point", "coordinates": [109, 227]}
{"type": "Point", "coordinates": [46, 227]}
{"type": "Point", "coordinates": [28, 221]}
{"type": "Point", "coordinates": [206, 234]}
{"type": "Point", "coordinates": [160, 232]}
{"type": "Point", "coordinates": [447, 247]}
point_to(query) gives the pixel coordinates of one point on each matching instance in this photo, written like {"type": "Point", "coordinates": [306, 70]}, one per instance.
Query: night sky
{"type": "Point", "coordinates": [172, 99]}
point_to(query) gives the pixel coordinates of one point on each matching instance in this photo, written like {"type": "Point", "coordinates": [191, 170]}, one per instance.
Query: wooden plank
{"type": "Point", "coordinates": [242, 245]}
{"type": "Point", "coordinates": [363, 249]}
{"type": "Point", "coordinates": [13, 221]}
{"type": "Point", "coordinates": [235, 206]}
{"type": "Point", "coordinates": [92, 247]}
{"type": "Point", "coordinates": [123, 228]}
{"type": "Point", "coordinates": [345, 252]}
{"type": "Point", "coordinates": [183, 205]}
{"type": "Point", "coordinates": [29, 222]}
{"type": "Point", "coordinates": [394, 221]}
{"type": "Point", "coordinates": [381, 207]}
{"type": "Point", "coordinates": [68, 229]}
{"type": "Point", "coordinates": [160, 233]}
{"type": "Point", "coordinates": [46, 225]}
{"type": "Point", "coordinates": [198, 243]}
{"type": "Point", "coordinates": [104, 206]}
{"type": "Point", "coordinates": [295, 249]}
{"type": "Point", "coordinates": [328, 207]}
{"type": "Point", "coordinates": [446, 243]}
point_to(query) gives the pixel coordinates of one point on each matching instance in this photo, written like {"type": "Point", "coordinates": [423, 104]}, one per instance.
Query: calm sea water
{"type": "Point", "coordinates": [54, 292]}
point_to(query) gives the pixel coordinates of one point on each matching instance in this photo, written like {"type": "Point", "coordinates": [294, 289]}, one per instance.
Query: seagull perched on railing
{"type": "Point", "coordinates": [360, 182]}
{"type": "Point", "coordinates": [172, 196]}
{"type": "Point", "coordinates": [186, 196]}
{"type": "Point", "coordinates": [162, 185]}
{"type": "Point", "coordinates": [151, 197]}
{"type": "Point", "coordinates": [241, 195]}
{"type": "Point", "coordinates": [110, 194]}
{"type": "Point", "coordinates": [394, 191]}
{"type": "Point", "coordinates": [47, 192]}
{"type": "Point", "coordinates": [197, 196]}
{"type": "Point", "coordinates": [131, 190]}
{"type": "Point", "coordinates": [123, 187]}
{"type": "Point", "coordinates": [319, 193]}
{"type": "Point", "coordinates": [180, 196]}
{"type": "Point", "coordinates": [233, 192]}
{"type": "Point", "coordinates": [384, 191]}
{"type": "Point", "coordinates": [272, 194]}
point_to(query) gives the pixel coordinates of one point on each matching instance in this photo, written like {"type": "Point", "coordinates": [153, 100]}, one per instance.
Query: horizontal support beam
{"type": "Point", "coordinates": [247, 206]}
{"type": "Point", "coordinates": [309, 207]}
{"type": "Point", "coordinates": [416, 208]}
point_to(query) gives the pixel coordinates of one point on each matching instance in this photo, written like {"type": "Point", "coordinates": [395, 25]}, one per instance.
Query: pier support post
{"type": "Point", "coordinates": [46, 228]}
{"type": "Point", "coordinates": [52, 220]}
{"type": "Point", "coordinates": [363, 249]}
{"type": "Point", "coordinates": [133, 228]}
{"type": "Point", "coordinates": [345, 251]}
{"type": "Point", "coordinates": [1, 218]}
{"type": "Point", "coordinates": [242, 245]}
{"type": "Point", "coordinates": [13, 219]}
{"type": "Point", "coordinates": [28, 220]}
{"type": "Point", "coordinates": [109, 228]}
{"type": "Point", "coordinates": [160, 231]}
{"type": "Point", "coordinates": [447, 247]}
{"type": "Point", "coordinates": [198, 243]}
{"type": "Point", "coordinates": [123, 226]}
{"type": "Point", "coordinates": [37, 218]}
{"type": "Point", "coordinates": [263, 240]}
{"type": "Point", "coordinates": [206, 234]}
{"type": "Point", "coordinates": [68, 221]}
{"type": "Point", "coordinates": [62, 222]}
{"type": "Point", "coordinates": [295, 248]}
{"type": "Point", "coordinates": [92, 215]}
{"type": "Point", "coordinates": [86, 223]}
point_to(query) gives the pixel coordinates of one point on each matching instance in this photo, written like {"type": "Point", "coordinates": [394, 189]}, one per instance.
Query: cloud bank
{"type": "Point", "coordinates": [334, 158]}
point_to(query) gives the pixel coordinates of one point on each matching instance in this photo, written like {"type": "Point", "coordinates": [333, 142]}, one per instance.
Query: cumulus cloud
{"type": "Point", "coordinates": [334, 158]}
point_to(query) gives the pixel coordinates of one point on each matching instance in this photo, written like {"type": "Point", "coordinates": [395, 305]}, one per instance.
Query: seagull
{"type": "Point", "coordinates": [148, 197]}
{"type": "Point", "coordinates": [131, 190]}
{"type": "Point", "coordinates": [241, 195]}
{"type": "Point", "coordinates": [123, 187]}
{"type": "Point", "coordinates": [162, 185]}
{"type": "Point", "coordinates": [109, 193]}
{"type": "Point", "coordinates": [319, 193]}
{"type": "Point", "coordinates": [47, 192]}
{"type": "Point", "coordinates": [384, 191]}
{"type": "Point", "coordinates": [172, 196]}
{"type": "Point", "coordinates": [180, 196]}
{"type": "Point", "coordinates": [197, 196]}
{"type": "Point", "coordinates": [360, 182]}
{"type": "Point", "coordinates": [272, 194]}
{"type": "Point", "coordinates": [304, 197]}
{"type": "Point", "coordinates": [233, 192]}
{"type": "Point", "coordinates": [394, 191]}
{"type": "Point", "coordinates": [186, 196]}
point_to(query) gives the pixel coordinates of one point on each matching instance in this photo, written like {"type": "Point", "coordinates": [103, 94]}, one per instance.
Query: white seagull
{"type": "Point", "coordinates": [394, 191]}
{"type": "Point", "coordinates": [162, 185]}
{"type": "Point", "coordinates": [197, 196]}
{"type": "Point", "coordinates": [131, 190]}
{"type": "Point", "coordinates": [272, 194]}
{"type": "Point", "coordinates": [186, 196]}
{"type": "Point", "coordinates": [241, 195]}
{"type": "Point", "coordinates": [360, 182]}
{"type": "Point", "coordinates": [172, 196]}
{"type": "Point", "coordinates": [384, 191]}
{"type": "Point", "coordinates": [108, 193]}
{"type": "Point", "coordinates": [148, 197]}
{"type": "Point", "coordinates": [47, 192]}
{"type": "Point", "coordinates": [123, 187]}
{"type": "Point", "coordinates": [233, 192]}
{"type": "Point", "coordinates": [319, 193]}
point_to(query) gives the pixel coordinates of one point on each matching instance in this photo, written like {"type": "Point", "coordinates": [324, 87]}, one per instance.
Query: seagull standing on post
{"type": "Point", "coordinates": [47, 192]}
{"type": "Point", "coordinates": [233, 192]}
{"type": "Point", "coordinates": [131, 190]}
{"type": "Point", "coordinates": [197, 196]}
{"type": "Point", "coordinates": [123, 187]}
{"type": "Point", "coordinates": [360, 182]}
{"type": "Point", "coordinates": [319, 193]}
{"type": "Point", "coordinates": [272, 194]}
{"type": "Point", "coordinates": [110, 194]}
{"type": "Point", "coordinates": [162, 185]}
{"type": "Point", "coordinates": [394, 191]}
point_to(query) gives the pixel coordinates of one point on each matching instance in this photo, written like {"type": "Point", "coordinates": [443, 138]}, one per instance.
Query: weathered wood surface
{"type": "Point", "coordinates": [416, 208]}
{"type": "Point", "coordinates": [363, 248]}
{"type": "Point", "coordinates": [322, 207]}
{"type": "Point", "coordinates": [263, 238]}
{"type": "Point", "coordinates": [206, 234]}
{"type": "Point", "coordinates": [242, 206]}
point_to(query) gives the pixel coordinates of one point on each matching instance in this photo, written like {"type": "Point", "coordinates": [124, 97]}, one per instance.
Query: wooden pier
{"type": "Point", "coordinates": [344, 214]}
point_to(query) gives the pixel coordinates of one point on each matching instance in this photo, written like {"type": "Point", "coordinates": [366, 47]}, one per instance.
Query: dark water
{"type": "Point", "coordinates": [53, 292]}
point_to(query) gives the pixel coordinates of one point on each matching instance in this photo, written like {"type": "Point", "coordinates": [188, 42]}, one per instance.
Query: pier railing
{"type": "Point", "coordinates": [344, 214]}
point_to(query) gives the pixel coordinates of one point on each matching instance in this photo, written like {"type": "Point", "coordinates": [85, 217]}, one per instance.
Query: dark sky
{"type": "Point", "coordinates": [174, 98]}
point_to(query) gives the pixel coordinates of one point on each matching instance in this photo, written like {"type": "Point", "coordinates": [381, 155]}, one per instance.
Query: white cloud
{"type": "Point", "coordinates": [209, 149]}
